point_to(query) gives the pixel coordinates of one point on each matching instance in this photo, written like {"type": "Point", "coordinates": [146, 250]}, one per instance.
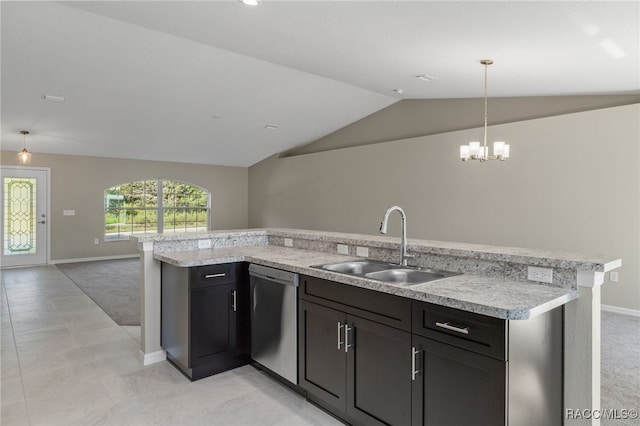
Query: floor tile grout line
{"type": "Point", "coordinates": [15, 348]}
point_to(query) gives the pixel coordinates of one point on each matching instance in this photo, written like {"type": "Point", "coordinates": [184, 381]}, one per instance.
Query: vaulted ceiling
{"type": "Point", "coordinates": [219, 82]}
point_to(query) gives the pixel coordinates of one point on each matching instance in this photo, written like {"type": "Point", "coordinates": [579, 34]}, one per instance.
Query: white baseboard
{"type": "Point", "coordinates": [152, 358]}
{"type": "Point", "coordinates": [619, 310]}
{"type": "Point", "coordinates": [93, 259]}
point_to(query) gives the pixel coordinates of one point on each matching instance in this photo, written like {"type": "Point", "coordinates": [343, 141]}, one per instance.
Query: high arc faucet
{"type": "Point", "coordinates": [403, 236]}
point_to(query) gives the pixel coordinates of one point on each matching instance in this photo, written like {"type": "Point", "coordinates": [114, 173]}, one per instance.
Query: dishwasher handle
{"type": "Point", "coordinates": [275, 275]}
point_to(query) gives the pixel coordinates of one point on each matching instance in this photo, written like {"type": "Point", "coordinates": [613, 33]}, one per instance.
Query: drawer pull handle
{"type": "Point", "coordinates": [414, 372]}
{"type": "Point", "coordinates": [340, 342]}
{"type": "Point", "coordinates": [448, 326]}
{"type": "Point", "coordinates": [220, 275]}
{"type": "Point", "coordinates": [235, 301]}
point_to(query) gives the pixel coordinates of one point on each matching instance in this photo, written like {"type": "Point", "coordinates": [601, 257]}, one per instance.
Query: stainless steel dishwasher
{"type": "Point", "coordinates": [274, 320]}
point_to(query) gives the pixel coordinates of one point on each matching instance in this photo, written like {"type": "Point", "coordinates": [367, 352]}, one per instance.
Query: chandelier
{"type": "Point", "coordinates": [475, 151]}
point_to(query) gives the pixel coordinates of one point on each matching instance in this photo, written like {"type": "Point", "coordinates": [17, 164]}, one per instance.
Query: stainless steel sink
{"type": "Point", "coordinates": [386, 272]}
{"type": "Point", "coordinates": [356, 267]}
{"type": "Point", "coordinates": [408, 276]}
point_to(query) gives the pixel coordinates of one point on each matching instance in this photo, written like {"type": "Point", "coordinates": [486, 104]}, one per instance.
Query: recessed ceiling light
{"type": "Point", "coordinates": [52, 98]}
{"type": "Point", "coordinates": [399, 91]}
{"type": "Point", "coordinates": [250, 2]}
{"type": "Point", "coordinates": [425, 77]}
{"type": "Point", "coordinates": [270, 127]}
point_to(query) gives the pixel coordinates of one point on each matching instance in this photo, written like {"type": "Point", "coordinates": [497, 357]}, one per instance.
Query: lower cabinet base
{"type": "Point", "coordinates": [329, 409]}
{"type": "Point", "coordinates": [209, 369]}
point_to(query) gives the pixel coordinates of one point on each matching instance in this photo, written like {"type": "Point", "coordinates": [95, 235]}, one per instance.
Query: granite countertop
{"type": "Point", "coordinates": [496, 297]}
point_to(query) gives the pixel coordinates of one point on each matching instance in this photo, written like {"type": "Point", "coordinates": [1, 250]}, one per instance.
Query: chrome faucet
{"type": "Point", "coordinates": [403, 237]}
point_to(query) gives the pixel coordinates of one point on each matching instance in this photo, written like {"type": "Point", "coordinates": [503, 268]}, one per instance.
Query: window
{"type": "Point", "coordinates": [152, 206]}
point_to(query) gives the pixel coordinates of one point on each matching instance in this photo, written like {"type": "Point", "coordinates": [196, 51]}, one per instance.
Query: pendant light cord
{"type": "Point", "coordinates": [486, 65]}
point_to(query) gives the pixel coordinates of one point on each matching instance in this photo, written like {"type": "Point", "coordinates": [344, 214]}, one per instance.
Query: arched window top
{"type": "Point", "coordinates": [155, 206]}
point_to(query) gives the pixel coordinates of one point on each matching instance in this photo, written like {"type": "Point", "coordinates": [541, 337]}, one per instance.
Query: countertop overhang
{"type": "Point", "coordinates": [493, 296]}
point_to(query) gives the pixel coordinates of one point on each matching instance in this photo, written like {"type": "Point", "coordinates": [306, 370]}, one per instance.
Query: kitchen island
{"type": "Point", "coordinates": [494, 283]}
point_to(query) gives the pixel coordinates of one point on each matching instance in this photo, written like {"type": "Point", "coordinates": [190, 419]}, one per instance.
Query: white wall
{"type": "Point", "coordinates": [573, 183]}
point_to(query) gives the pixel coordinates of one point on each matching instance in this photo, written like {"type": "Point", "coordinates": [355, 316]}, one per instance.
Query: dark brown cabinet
{"type": "Point", "coordinates": [358, 368]}
{"type": "Point", "coordinates": [475, 369]}
{"type": "Point", "coordinates": [376, 393]}
{"type": "Point", "coordinates": [457, 387]}
{"type": "Point", "coordinates": [378, 359]}
{"type": "Point", "coordinates": [205, 317]}
{"type": "Point", "coordinates": [322, 364]}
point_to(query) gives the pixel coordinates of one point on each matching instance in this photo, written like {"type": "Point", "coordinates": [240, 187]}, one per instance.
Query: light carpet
{"type": "Point", "coordinates": [113, 284]}
{"type": "Point", "coordinates": [620, 368]}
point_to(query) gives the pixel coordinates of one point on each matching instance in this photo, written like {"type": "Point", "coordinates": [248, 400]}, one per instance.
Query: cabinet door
{"type": "Point", "coordinates": [378, 373]}
{"type": "Point", "coordinates": [457, 387]}
{"type": "Point", "coordinates": [321, 356]}
{"type": "Point", "coordinates": [213, 324]}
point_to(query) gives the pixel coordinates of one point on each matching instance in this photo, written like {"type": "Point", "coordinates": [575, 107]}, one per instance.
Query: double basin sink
{"type": "Point", "coordinates": [387, 272]}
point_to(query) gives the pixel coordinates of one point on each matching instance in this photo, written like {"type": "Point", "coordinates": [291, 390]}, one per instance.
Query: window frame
{"type": "Point", "coordinates": [159, 208]}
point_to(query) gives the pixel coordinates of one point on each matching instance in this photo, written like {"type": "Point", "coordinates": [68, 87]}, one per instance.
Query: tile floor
{"type": "Point", "coordinates": [65, 362]}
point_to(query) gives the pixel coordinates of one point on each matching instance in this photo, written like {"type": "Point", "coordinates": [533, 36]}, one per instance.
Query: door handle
{"type": "Point", "coordinates": [347, 329]}
{"type": "Point", "coordinates": [340, 342]}
{"type": "Point", "coordinates": [235, 300]}
{"type": "Point", "coordinates": [42, 222]}
{"type": "Point", "coordinates": [414, 372]}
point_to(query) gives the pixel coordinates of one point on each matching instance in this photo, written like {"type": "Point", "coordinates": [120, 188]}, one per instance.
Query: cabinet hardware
{"type": "Point", "coordinates": [235, 300]}
{"type": "Point", "coordinates": [448, 326]}
{"type": "Point", "coordinates": [414, 372]}
{"type": "Point", "coordinates": [220, 275]}
{"type": "Point", "coordinates": [340, 342]}
{"type": "Point", "coordinates": [347, 329]}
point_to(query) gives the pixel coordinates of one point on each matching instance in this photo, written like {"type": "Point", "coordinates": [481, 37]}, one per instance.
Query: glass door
{"type": "Point", "coordinates": [24, 215]}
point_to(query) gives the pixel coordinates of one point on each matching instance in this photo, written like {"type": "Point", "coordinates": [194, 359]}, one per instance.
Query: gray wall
{"type": "Point", "coordinates": [410, 118]}
{"type": "Point", "coordinates": [572, 184]}
{"type": "Point", "coordinates": [78, 183]}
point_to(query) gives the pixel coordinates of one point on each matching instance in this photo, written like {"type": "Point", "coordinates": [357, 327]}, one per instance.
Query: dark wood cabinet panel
{"type": "Point", "coordinates": [457, 387]}
{"type": "Point", "coordinates": [467, 330]}
{"type": "Point", "coordinates": [213, 324]}
{"type": "Point", "coordinates": [378, 373]}
{"type": "Point", "coordinates": [321, 364]}
{"type": "Point", "coordinates": [356, 368]}
{"type": "Point", "coordinates": [380, 307]}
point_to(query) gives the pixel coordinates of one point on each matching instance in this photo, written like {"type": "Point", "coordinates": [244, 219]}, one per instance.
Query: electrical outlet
{"type": "Point", "coordinates": [343, 249]}
{"type": "Point", "coordinates": [362, 251]}
{"type": "Point", "coordinates": [204, 244]}
{"type": "Point", "coordinates": [288, 242]}
{"type": "Point", "coordinates": [543, 275]}
{"type": "Point", "coordinates": [613, 276]}
{"type": "Point", "coordinates": [96, 241]}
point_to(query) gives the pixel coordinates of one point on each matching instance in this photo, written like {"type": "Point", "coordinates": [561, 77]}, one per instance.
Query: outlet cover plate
{"type": "Point", "coordinates": [362, 251]}
{"type": "Point", "coordinates": [541, 275]}
{"type": "Point", "coordinates": [204, 244]}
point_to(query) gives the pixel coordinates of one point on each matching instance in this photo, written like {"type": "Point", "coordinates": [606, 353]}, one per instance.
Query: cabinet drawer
{"type": "Point", "coordinates": [467, 330]}
{"type": "Point", "coordinates": [374, 305]}
{"type": "Point", "coordinates": [212, 275]}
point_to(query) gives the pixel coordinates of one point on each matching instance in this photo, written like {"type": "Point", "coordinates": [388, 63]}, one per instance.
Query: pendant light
{"type": "Point", "coordinates": [24, 156]}
{"type": "Point", "coordinates": [475, 151]}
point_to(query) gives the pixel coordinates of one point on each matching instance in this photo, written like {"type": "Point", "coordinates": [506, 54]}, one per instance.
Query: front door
{"type": "Point", "coordinates": [24, 210]}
